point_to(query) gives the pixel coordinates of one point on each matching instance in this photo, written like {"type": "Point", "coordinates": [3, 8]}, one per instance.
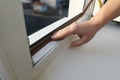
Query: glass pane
{"type": "Point", "coordinates": [41, 13]}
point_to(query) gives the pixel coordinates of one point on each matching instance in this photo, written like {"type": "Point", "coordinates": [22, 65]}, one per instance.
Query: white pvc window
{"type": "Point", "coordinates": [43, 17]}
{"type": "Point", "coordinates": [14, 39]}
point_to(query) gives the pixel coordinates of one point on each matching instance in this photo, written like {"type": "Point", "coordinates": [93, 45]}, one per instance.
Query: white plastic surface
{"type": "Point", "coordinates": [97, 60]}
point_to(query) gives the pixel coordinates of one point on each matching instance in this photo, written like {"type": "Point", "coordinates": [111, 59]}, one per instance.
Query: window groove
{"type": "Point", "coordinates": [46, 39]}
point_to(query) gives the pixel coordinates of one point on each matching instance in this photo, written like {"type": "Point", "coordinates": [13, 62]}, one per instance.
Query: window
{"type": "Point", "coordinates": [14, 40]}
{"type": "Point", "coordinates": [41, 17]}
{"type": "Point", "coordinates": [39, 14]}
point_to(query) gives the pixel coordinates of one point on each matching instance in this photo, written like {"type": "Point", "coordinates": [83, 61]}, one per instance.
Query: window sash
{"type": "Point", "coordinates": [46, 38]}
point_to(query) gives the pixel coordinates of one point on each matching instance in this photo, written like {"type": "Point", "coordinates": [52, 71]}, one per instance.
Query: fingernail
{"type": "Point", "coordinates": [53, 37]}
{"type": "Point", "coordinates": [74, 45]}
{"type": "Point", "coordinates": [71, 45]}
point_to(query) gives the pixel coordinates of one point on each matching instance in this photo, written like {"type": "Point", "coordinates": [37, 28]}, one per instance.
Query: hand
{"type": "Point", "coordinates": [85, 31]}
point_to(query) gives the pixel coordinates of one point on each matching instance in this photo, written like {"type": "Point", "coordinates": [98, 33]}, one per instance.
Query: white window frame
{"type": "Point", "coordinates": [15, 44]}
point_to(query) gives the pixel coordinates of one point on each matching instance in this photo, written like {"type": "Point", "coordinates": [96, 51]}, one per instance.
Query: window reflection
{"type": "Point", "coordinates": [41, 13]}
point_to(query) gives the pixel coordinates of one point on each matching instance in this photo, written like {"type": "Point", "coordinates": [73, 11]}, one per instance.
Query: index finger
{"type": "Point", "coordinates": [61, 34]}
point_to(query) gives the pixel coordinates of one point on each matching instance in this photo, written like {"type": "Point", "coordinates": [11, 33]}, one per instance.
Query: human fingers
{"type": "Point", "coordinates": [61, 34]}
{"type": "Point", "coordinates": [79, 42]}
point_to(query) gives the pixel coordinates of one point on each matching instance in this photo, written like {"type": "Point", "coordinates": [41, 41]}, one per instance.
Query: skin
{"type": "Point", "coordinates": [87, 30]}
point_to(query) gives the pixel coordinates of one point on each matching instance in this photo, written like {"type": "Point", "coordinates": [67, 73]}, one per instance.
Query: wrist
{"type": "Point", "coordinates": [97, 23]}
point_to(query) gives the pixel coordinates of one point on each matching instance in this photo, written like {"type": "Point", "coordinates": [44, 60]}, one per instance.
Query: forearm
{"type": "Point", "coordinates": [108, 12]}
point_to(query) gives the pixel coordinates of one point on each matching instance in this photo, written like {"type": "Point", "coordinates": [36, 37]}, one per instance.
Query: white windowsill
{"type": "Point", "coordinates": [46, 55]}
{"type": "Point", "coordinates": [98, 59]}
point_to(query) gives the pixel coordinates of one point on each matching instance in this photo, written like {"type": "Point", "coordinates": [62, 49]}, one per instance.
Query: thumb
{"type": "Point", "coordinates": [61, 34]}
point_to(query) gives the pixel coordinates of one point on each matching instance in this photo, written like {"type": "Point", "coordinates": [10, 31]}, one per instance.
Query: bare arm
{"type": "Point", "coordinates": [108, 12]}
{"type": "Point", "coordinates": [87, 30]}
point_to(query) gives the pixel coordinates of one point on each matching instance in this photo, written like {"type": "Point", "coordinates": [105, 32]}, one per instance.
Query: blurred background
{"type": "Point", "coordinates": [40, 13]}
